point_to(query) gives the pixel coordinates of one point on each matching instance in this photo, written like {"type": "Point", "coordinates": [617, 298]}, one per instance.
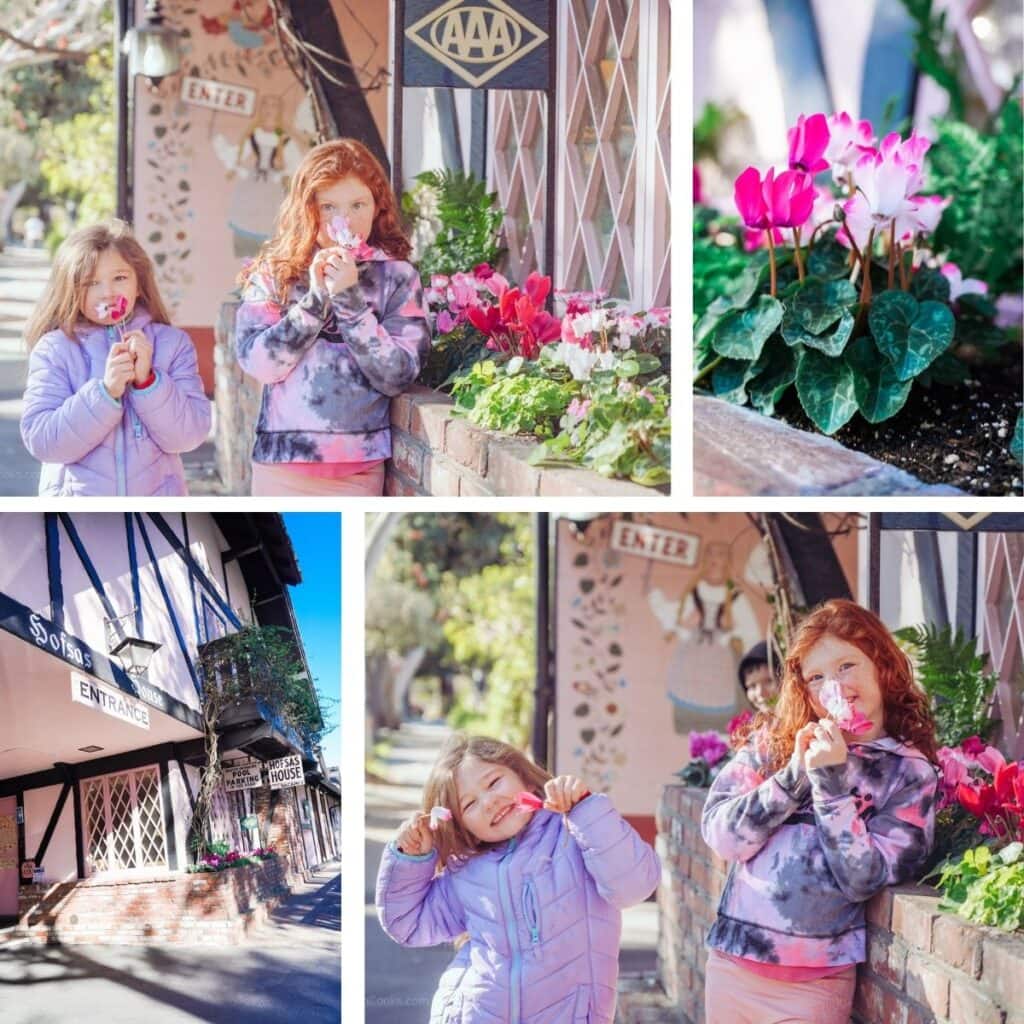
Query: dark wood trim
{"type": "Point", "coordinates": [79, 830]}
{"type": "Point", "coordinates": [398, 101]}
{"type": "Point", "coordinates": [184, 777]}
{"type": "Point", "coordinates": [967, 583]}
{"type": "Point", "coordinates": [53, 569]}
{"type": "Point", "coordinates": [874, 561]}
{"type": "Point", "coordinates": [133, 565]}
{"type": "Point", "coordinates": [994, 522]}
{"type": "Point", "coordinates": [20, 818]}
{"type": "Point", "coordinates": [551, 105]}
{"type": "Point", "coordinates": [51, 825]}
{"type": "Point", "coordinates": [90, 570]}
{"type": "Point", "coordinates": [168, 806]}
{"type": "Point", "coordinates": [542, 654]}
{"type": "Point", "coordinates": [124, 14]}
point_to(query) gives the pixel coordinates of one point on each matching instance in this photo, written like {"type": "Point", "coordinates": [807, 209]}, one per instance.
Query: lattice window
{"type": "Point", "coordinates": [124, 821]}
{"type": "Point", "coordinates": [1003, 631]}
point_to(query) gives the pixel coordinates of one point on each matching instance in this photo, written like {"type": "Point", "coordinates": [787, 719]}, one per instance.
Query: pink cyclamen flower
{"type": "Point", "coordinates": [841, 710]}
{"type": "Point", "coordinates": [577, 410]}
{"type": "Point", "coordinates": [808, 139]}
{"type": "Point", "coordinates": [848, 141]}
{"type": "Point", "coordinates": [921, 217]}
{"type": "Point", "coordinates": [342, 235]}
{"type": "Point", "coordinates": [785, 201]}
{"type": "Point", "coordinates": [528, 802]}
{"type": "Point", "coordinates": [445, 322]}
{"type": "Point", "coordinates": [437, 816]}
{"type": "Point", "coordinates": [115, 310]}
{"type": "Point", "coordinates": [708, 745]}
{"type": "Point", "coordinates": [960, 285]}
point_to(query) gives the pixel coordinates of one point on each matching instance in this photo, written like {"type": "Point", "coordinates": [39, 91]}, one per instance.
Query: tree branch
{"type": "Point", "coordinates": [49, 51]}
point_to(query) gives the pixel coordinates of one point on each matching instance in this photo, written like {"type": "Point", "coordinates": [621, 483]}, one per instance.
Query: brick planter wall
{"type": "Point", "coordinates": [237, 399]}
{"type": "Point", "coordinates": [923, 967]}
{"type": "Point", "coordinates": [215, 908]}
{"type": "Point", "coordinates": [438, 453]}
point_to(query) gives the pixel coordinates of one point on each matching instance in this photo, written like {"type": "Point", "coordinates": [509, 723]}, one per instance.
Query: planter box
{"type": "Point", "coordinates": [923, 966]}
{"type": "Point", "coordinates": [203, 908]}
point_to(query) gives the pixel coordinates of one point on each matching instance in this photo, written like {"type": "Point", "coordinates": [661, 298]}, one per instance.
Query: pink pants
{"type": "Point", "coordinates": [270, 481]}
{"type": "Point", "coordinates": [734, 995]}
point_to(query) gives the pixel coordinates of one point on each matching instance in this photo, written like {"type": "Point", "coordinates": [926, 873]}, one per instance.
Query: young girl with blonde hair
{"type": "Point", "coordinates": [831, 799]}
{"type": "Point", "coordinates": [533, 869]}
{"type": "Point", "coordinates": [334, 325]}
{"type": "Point", "coordinates": [114, 394]}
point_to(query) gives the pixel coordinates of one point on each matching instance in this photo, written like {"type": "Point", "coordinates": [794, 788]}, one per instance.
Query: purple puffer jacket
{"type": "Point", "coordinates": [810, 848]}
{"type": "Point", "coordinates": [92, 444]}
{"type": "Point", "coordinates": [329, 366]}
{"type": "Point", "coordinates": [542, 912]}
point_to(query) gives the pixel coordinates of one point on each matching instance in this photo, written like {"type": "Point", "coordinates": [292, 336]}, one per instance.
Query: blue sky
{"type": "Point", "coordinates": [316, 537]}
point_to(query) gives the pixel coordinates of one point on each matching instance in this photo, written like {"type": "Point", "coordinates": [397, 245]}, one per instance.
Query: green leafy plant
{"type": "Point", "coordinates": [459, 216]}
{"type": "Point", "coordinates": [984, 227]}
{"type": "Point", "coordinates": [952, 673]}
{"type": "Point", "coordinates": [986, 887]}
{"type": "Point", "coordinates": [935, 53]}
{"type": "Point", "coordinates": [717, 258]}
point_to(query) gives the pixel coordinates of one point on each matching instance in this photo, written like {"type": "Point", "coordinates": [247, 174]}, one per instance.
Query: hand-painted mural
{"type": "Point", "coordinates": [648, 647]}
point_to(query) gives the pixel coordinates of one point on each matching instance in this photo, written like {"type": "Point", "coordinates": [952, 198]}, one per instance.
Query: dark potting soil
{"type": "Point", "coordinates": [944, 435]}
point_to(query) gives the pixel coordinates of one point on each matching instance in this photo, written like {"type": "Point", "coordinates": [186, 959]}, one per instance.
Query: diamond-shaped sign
{"type": "Point", "coordinates": [480, 41]}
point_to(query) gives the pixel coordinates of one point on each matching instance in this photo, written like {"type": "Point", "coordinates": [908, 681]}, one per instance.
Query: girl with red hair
{"type": "Point", "coordinates": [333, 324]}
{"type": "Point", "coordinates": [831, 799]}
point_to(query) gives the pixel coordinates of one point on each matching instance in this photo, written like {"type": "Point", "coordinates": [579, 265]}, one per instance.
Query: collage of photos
{"type": "Point", "coordinates": [384, 639]}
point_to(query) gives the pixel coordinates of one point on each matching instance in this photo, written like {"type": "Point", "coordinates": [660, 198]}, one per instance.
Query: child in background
{"type": "Point", "coordinates": [333, 324]}
{"type": "Point", "coordinates": [538, 889]}
{"type": "Point", "coordinates": [831, 799]}
{"type": "Point", "coordinates": [114, 394]}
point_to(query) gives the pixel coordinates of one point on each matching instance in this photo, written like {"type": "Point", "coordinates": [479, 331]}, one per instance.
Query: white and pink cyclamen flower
{"type": "Point", "coordinates": [959, 285]}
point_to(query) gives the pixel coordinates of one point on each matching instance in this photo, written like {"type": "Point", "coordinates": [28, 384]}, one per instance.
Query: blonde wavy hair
{"type": "Point", "coordinates": [453, 841]}
{"type": "Point", "coordinates": [73, 266]}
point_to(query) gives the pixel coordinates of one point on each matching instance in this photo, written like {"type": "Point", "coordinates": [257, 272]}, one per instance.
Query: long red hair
{"type": "Point", "coordinates": [287, 256]}
{"type": "Point", "coordinates": [907, 711]}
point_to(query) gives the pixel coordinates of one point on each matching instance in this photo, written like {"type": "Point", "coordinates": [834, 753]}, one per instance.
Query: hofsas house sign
{"type": "Point", "coordinates": [492, 44]}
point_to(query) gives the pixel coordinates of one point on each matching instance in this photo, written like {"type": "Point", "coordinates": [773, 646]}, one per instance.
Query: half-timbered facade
{"type": "Point", "coordinates": [98, 768]}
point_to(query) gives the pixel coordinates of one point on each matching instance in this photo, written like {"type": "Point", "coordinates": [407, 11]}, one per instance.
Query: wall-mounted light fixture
{"type": "Point", "coordinates": [133, 652]}
{"type": "Point", "coordinates": [154, 47]}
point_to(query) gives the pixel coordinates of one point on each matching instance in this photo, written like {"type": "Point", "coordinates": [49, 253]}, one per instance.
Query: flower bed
{"type": "Point", "coordinates": [839, 307]}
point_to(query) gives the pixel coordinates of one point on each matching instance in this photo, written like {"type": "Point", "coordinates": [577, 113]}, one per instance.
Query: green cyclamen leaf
{"type": "Point", "coordinates": [729, 378]}
{"type": "Point", "coordinates": [1017, 444]}
{"type": "Point", "coordinates": [743, 333]}
{"type": "Point", "coordinates": [832, 344]}
{"type": "Point", "coordinates": [817, 305]}
{"type": "Point", "coordinates": [930, 284]}
{"type": "Point", "coordinates": [828, 258]}
{"type": "Point", "coordinates": [911, 335]}
{"type": "Point", "coordinates": [880, 393]}
{"type": "Point", "coordinates": [826, 390]}
{"type": "Point", "coordinates": [771, 375]}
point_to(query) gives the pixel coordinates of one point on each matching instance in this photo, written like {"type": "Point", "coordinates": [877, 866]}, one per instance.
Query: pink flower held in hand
{"type": "Point", "coordinates": [437, 816]}
{"type": "Point", "coordinates": [808, 139]}
{"type": "Point", "coordinates": [115, 309]}
{"type": "Point", "coordinates": [342, 235]}
{"type": "Point", "coordinates": [841, 710]}
{"type": "Point", "coordinates": [528, 802]}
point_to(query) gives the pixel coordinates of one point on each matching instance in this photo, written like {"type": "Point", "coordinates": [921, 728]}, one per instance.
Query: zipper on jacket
{"type": "Point", "coordinates": [505, 892]}
{"type": "Point", "coordinates": [137, 423]}
{"type": "Point", "coordinates": [119, 440]}
{"type": "Point", "coordinates": [530, 910]}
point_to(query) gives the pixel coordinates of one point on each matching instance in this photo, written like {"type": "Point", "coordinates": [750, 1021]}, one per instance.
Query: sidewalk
{"type": "Point", "coordinates": [290, 969]}
{"type": "Point", "coordinates": [23, 275]}
{"type": "Point", "coordinates": [399, 992]}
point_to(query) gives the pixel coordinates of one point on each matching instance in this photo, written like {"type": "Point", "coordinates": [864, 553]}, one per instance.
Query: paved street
{"type": "Point", "coordinates": [289, 970]}
{"type": "Point", "coordinates": [23, 275]}
{"type": "Point", "coordinates": [400, 983]}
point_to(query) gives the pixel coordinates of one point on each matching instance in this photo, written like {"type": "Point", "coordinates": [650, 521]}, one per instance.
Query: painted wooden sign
{"type": "Point", "coordinates": [476, 44]}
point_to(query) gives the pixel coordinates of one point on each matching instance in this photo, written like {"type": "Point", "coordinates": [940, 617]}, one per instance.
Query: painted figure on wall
{"type": "Point", "coordinates": [714, 623]}
{"type": "Point", "coordinates": [249, 23]}
{"type": "Point", "coordinates": [260, 165]}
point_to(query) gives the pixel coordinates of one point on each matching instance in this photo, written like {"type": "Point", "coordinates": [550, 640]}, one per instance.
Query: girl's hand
{"type": "Point", "coordinates": [120, 369]}
{"type": "Point", "coordinates": [802, 742]}
{"type": "Point", "coordinates": [414, 835]}
{"type": "Point", "coordinates": [339, 271]}
{"type": "Point", "coordinates": [827, 747]}
{"type": "Point", "coordinates": [141, 349]}
{"type": "Point", "coordinates": [562, 794]}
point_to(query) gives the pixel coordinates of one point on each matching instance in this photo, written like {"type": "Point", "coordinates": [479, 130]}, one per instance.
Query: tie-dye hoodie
{"type": "Point", "coordinates": [329, 366]}
{"type": "Point", "coordinates": [810, 848]}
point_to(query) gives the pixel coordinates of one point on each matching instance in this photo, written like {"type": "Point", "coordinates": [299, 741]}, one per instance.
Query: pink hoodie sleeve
{"type": "Point", "coordinates": [625, 869]}
{"type": "Point", "coordinates": [58, 424]}
{"type": "Point", "coordinates": [744, 807]}
{"type": "Point", "coordinates": [868, 847]}
{"type": "Point", "coordinates": [415, 906]}
{"type": "Point", "coordinates": [174, 407]}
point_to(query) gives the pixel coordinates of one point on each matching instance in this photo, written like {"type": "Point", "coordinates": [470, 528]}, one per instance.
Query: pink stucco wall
{"type": "Point", "coordinates": [59, 861]}
{"type": "Point", "coordinates": [634, 674]}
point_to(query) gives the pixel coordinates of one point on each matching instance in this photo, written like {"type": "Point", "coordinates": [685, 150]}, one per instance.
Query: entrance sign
{"type": "Point", "coordinates": [96, 695]}
{"type": "Point", "coordinates": [231, 99]}
{"type": "Point", "coordinates": [248, 777]}
{"type": "Point", "coordinates": [652, 542]}
{"type": "Point", "coordinates": [285, 771]}
{"type": "Point", "coordinates": [493, 44]}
